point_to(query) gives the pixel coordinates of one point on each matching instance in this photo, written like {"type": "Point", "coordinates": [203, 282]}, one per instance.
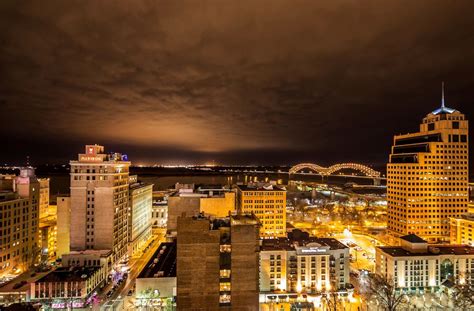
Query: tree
{"type": "Point", "coordinates": [332, 301]}
{"type": "Point", "coordinates": [462, 296]}
{"type": "Point", "coordinates": [384, 292]}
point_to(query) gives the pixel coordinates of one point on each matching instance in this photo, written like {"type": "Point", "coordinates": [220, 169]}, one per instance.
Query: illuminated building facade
{"type": "Point", "coordinates": [217, 263]}
{"type": "Point", "coordinates": [19, 219]}
{"type": "Point", "coordinates": [462, 229]}
{"type": "Point", "coordinates": [99, 201]}
{"type": "Point", "coordinates": [63, 226]}
{"type": "Point", "coordinates": [427, 176]}
{"type": "Point", "coordinates": [416, 264]}
{"type": "Point", "coordinates": [44, 197]}
{"type": "Point", "coordinates": [312, 266]}
{"type": "Point", "coordinates": [268, 203]}
{"type": "Point", "coordinates": [139, 219]}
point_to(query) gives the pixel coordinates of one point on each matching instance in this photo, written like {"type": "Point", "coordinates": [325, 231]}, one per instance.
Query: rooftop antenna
{"type": "Point", "coordinates": [442, 95]}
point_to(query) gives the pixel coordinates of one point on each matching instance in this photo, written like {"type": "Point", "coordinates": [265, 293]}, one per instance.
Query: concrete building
{"type": "Point", "coordinates": [268, 203]}
{"type": "Point", "coordinates": [217, 263]}
{"type": "Point", "coordinates": [99, 201]}
{"type": "Point", "coordinates": [157, 280]}
{"type": "Point", "coordinates": [417, 265]}
{"type": "Point", "coordinates": [48, 238]}
{"type": "Point", "coordinates": [139, 219]}
{"type": "Point", "coordinates": [63, 226]}
{"type": "Point", "coordinates": [309, 267]}
{"type": "Point", "coordinates": [427, 176]}
{"type": "Point", "coordinates": [67, 288]}
{"type": "Point", "coordinates": [211, 200]}
{"type": "Point", "coordinates": [462, 229]}
{"type": "Point", "coordinates": [19, 220]}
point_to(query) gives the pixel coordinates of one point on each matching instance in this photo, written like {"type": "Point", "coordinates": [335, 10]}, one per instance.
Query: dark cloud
{"type": "Point", "coordinates": [233, 81]}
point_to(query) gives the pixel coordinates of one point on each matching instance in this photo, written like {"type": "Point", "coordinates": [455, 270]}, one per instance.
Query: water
{"type": "Point", "coordinates": [59, 184]}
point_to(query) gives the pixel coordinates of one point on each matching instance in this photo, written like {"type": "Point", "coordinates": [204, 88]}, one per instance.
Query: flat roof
{"type": "Point", "coordinates": [100, 252]}
{"type": "Point", "coordinates": [289, 244]}
{"type": "Point", "coordinates": [64, 274]}
{"type": "Point", "coordinates": [433, 250]}
{"type": "Point", "coordinates": [413, 238]}
{"type": "Point", "coordinates": [260, 188]}
{"type": "Point", "coordinates": [165, 266]}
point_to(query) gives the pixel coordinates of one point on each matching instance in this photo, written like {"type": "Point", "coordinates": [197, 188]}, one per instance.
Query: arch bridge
{"type": "Point", "coordinates": [367, 171]}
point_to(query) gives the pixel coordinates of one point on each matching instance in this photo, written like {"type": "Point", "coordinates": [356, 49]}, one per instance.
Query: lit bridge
{"type": "Point", "coordinates": [326, 171]}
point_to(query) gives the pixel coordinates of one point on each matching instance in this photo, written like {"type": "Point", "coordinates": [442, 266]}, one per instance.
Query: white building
{"type": "Point", "coordinates": [415, 264]}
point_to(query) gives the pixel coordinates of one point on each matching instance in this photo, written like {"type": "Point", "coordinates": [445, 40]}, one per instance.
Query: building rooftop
{"type": "Point", "coordinates": [100, 252]}
{"type": "Point", "coordinates": [434, 250]}
{"type": "Point", "coordinates": [258, 187]}
{"type": "Point", "coordinates": [290, 244]}
{"type": "Point", "coordinates": [413, 238]}
{"type": "Point", "coordinates": [75, 274]}
{"type": "Point", "coordinates": [163, 262]}
{"type": "Point", "coordinates": [139, 185]}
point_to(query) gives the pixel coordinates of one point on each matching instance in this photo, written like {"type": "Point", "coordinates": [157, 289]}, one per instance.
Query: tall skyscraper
{"type": "Point", "coordinates": [427, 176]}
{"type": "Point", "coordinates": [99, 201]}
{"type": "Point", "coordinates": [217, 263]}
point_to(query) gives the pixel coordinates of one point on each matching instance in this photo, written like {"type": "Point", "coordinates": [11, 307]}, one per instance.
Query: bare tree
{"type": "Point", "coordinates": [332, 301]}
{"type": "Point", "coordinates": [384, 292]}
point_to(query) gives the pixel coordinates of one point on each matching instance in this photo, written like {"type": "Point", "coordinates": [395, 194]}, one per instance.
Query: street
{"type": "Point", "coordinates": [136, 264]}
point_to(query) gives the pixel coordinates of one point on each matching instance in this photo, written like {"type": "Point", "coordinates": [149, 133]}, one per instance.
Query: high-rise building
{"type": "Point", "coordinates": [427, 176]}
{"type": "Point", "coordinates": [99, 201]}
{"type": "Point", "coordinates": [217, 263]}
{"type": "Point", "coordinates": [268, 203]}
{"type": "Point", "coordinates": [19, 212]}
{"type": "Point", "coordinates": [139, 216]}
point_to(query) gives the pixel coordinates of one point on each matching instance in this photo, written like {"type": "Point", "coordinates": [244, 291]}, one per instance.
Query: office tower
{"type": "Point", "coordinates": [217, 263]}
{"type": "Point", "coordinates": [19, 212]}
{"type": "Point", "coordinates": [427, 176]}
{"type": "Point", "coordinates": [268, 203]}
{"type": "Point", "coordinates": [99, 201]}
{"type": "Point", "coordinates": [416, 264]}
{"type": "Point", "coordinates": [139, 216]}
{"type": "Point", "coordinates": [307, 266]}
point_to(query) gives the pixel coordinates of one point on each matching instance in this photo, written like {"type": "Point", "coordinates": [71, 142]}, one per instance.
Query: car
{"type": "Point", "coordinates": [130, 292]}
{"type": "Point", "coordinates": [109, 293]}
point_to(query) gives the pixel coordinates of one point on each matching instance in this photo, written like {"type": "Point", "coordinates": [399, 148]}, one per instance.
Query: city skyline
{"type": "Point", "coordinates": [234, 84]}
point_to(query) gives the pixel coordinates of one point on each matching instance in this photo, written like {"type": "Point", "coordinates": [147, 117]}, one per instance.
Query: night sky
{"type": "Point", "coordinates": [234, 82]}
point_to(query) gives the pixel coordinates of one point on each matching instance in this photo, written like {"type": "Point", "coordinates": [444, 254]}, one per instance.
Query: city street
{"type": "Point", "coordinates": [135, 267]}
{"type": "Point", "coordinates": [363, 253]}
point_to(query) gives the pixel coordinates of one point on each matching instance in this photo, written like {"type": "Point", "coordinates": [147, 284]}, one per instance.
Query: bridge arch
{"type": "Point", "coordinates": [311, 166]}
{"type": "Point", "coordinates": [334, 168]}
{"type": "Point", "coordinates": [353, 166]}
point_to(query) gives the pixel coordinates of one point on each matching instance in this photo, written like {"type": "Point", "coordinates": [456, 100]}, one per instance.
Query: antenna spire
{"type": "Point", "coordinates": [442, 95]}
